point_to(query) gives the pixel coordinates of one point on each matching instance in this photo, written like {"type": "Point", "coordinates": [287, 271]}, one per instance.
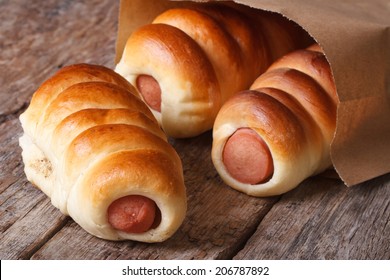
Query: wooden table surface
{"type": "Point", "coordinates": [321, 219]}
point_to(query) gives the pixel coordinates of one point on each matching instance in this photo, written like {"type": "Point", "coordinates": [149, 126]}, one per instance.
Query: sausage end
{"type": "Point", "coordinates": [247, 157]}
{"type": "Point", "coordinates": [150, 90]}
{"type": "Point", "coordinates": [132, 214]}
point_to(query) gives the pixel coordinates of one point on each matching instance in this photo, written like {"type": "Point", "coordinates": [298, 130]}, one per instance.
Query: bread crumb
{"type": "Point", "coordinates": [42, 166]}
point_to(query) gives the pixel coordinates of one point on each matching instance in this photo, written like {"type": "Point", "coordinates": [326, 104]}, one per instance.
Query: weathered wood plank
{"type": "Point", "coordinates": [10, 158]}
{"type": "Point", "coordinates": [27, 219]}
{"type": "Point", "coordinates": [31, 231]}
{"type": "Point", "coordinates": [323, 219]}
{"type": "Point", "coordinates": [219, 219]}
{"type": "Point", "coordinates": [38, 38]}
{"type": "Point", "coordinates": [14, 199]}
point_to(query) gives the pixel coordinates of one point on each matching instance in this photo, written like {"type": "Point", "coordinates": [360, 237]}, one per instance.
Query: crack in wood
{"type": "Point", "coordinates": [29, 253]}
{"type": "Point", "coordinates": [241, 244]}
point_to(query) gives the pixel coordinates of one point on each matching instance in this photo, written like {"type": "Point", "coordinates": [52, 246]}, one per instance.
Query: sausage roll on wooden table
{"type": "Point", "coordinates": [93, 146]}
{"type": "Point", "coordinates": [268, 139]}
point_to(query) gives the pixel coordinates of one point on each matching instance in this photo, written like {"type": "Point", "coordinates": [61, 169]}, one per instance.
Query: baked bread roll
{"type": "Point", "coordinates": [189, 61]}
{"type": "Point", "coordinates": [93, 146]}
{"type": "Point", "coordinates": [268, 139]}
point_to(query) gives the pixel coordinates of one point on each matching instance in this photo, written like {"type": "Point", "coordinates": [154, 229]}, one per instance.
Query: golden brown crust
{"type": "Point", "coordinates": [66, 77]}
{"type": "Point", "coordinates": [74, 124]}
{"type": "Point", "coordinates": [250, 42]}
{"type": "Point", "coordinates": [124, 173]}
{"type": "Point", "coordinates": [101, 95]}
{"type": "Point", "coordinates": [92, 117]}
{"type": "Point", "coordinates": [307, 91]}
{"type": "Point", "coordinates": [231, 45]}
{"type": "Point", "coordinates": [264, 114]}
{"type": "Point", "coordinates": [194, 93]}
{"type": "Point", "coordinates": [313, 63]}
{"type": "Point", "coordinates": [292, 107]}
{"type": "Point", "coordinates": [101, 140]}
{"type": "Point", "coordinates": [224, 53]}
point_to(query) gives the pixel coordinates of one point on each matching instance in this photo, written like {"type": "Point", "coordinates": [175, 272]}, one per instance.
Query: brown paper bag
{"type": "Point", "coordinates": [355, 36]}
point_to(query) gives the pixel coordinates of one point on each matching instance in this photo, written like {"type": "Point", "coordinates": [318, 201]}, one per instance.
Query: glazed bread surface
{"type": "Point", "coordinates": [88, 141]}
{"type": "Point", "coordinates": [189, 61]}
{"type": "Point", "coordinates": [291, 108]}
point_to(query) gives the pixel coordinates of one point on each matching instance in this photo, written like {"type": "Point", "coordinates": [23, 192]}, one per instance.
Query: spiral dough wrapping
{"type": "Point", "coordinates": [189, 61]}
{"type": "Point", "coordinates": [93, 146]}
{"type": "Point", "coordinates": [268, 139]}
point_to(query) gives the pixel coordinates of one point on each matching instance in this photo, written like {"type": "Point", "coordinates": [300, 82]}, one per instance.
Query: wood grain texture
{"type": "Point", "coordinates": [39, 38]}
{"type": "Point", "coordinates": [321, 219]}
{"type": "Point", "coordinates": [27, 218]}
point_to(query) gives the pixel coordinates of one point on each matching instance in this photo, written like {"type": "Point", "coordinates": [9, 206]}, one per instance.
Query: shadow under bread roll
{"type": "Point", "coordinates": [189, 61]}
{"type": "Point", "coordinates": [268, 139]}
{"type": "Point", "coordinates": [93, 146]}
